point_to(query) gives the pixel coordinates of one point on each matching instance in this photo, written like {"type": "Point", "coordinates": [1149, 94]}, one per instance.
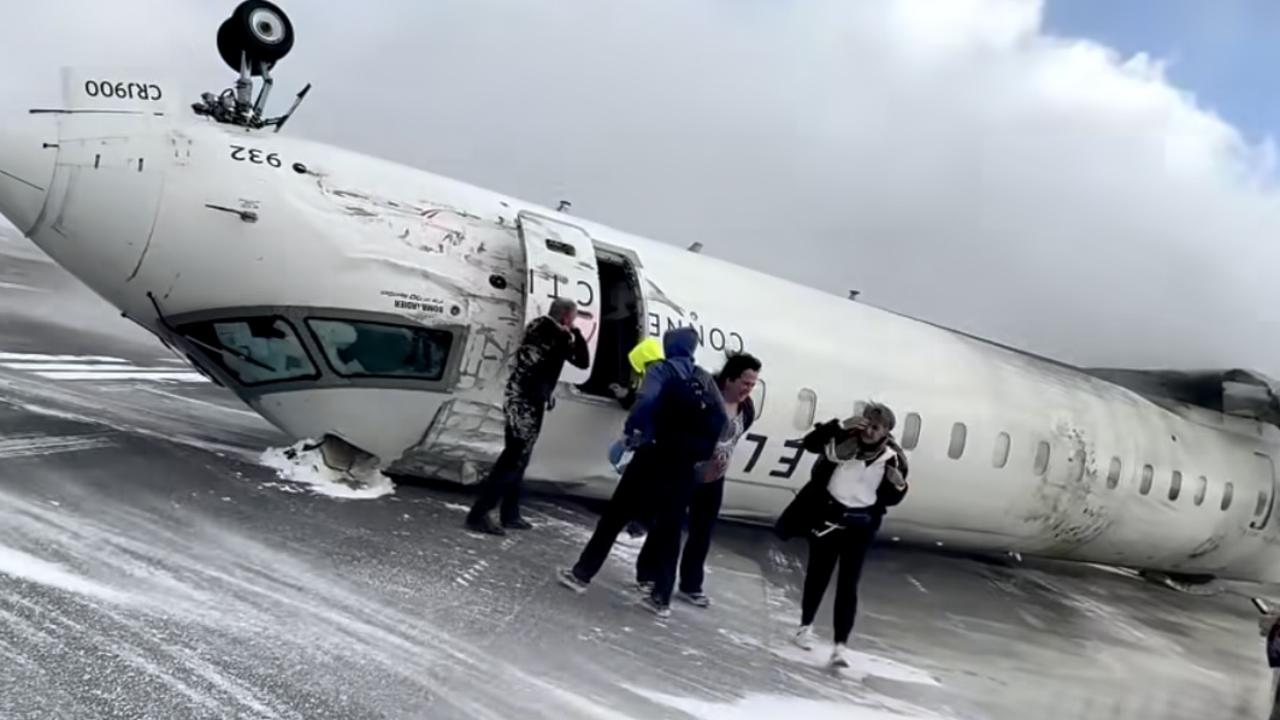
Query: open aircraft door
{"type": "Point", "coordinates": [561, 262]}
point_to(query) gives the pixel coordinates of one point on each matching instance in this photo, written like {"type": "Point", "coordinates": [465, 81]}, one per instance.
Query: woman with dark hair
{"type": "Point", "coordinates": [859, 473]}
{"type": "Point", "coordinates": [736, 379]}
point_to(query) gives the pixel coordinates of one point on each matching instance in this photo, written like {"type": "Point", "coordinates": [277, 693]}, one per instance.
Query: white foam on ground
{"type": "Point", "coordinates": [759, 706]}
{"type": "Point", "coordinates": [307, 467]}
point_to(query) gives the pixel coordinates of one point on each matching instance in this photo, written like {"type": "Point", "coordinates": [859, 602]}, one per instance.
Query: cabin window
{"type": "Point", "coordinates": [1175, 485]}
{"type": "Point", "coordinates": [1202, 489]}
{"type": "Point", "coordinates": [1042, 457]}
{"type": "Point", "coordinates": [806, 408]}
{"type": "Point", "coordinates": [1228, 492]}
{"type": "Point", "coordinates": [911, 431]}
{"type": "Point", "coordinates": [1267, 473]}
{"type": "Point", "coordinates": [1148, 476]}
{"type": "Point", "coordinates": [255, 351]}
{"type": "Point", "coordinates": [958, 434]}
{"type": "Point", "coordinates": [357, 348]}
{"type": "Point", "coordinates": [564, 248]}
{"type": "Point", "coordinates": [1113, 474]}
{"type": "Point", "coordinates": [1000, 456]}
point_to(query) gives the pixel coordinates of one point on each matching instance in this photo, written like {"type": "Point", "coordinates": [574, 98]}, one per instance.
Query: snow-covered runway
{"type": "Point", "coordinates": [151, 566]}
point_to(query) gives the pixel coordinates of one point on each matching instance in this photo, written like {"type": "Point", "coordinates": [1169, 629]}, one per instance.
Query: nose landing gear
{"type": "Point", "coordinates": [257, 33]}
{"type": "Point", "coordinates": [256, 36]}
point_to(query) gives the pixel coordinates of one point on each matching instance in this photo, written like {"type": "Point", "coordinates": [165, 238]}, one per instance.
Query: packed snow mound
{"type": "Point", "coordinates": [303, 463]}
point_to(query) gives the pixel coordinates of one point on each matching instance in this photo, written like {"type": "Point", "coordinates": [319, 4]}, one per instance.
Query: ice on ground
{"type": "Point", "coordinates": [754, 707]}
{"type": "Point", "coordinates": [307, 467]}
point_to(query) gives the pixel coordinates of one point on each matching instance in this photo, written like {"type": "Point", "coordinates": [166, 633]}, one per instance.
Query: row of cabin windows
{"type": "Point", "coordinates": [1000, 457]}
{"type": "Point", "coordinates": [807, 408]}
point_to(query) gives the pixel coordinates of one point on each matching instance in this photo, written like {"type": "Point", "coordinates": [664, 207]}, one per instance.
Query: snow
{"type": "Point", "coordinates": [759, 706]}
{"type": "Point", "coordinates": [164, 376]}
{"type": "Point", "coordinates": [37, 357]}
{"type": "Point", "coordinates": [861, 664]}
{"type": "Point", "coordinates": [307, 467]}
{"type": "Point", "coordinates": [36, 445]}
{"type": "Point", "coordinates": [19, 286]}
{"type": "Point", "coordinates": [19, 564]}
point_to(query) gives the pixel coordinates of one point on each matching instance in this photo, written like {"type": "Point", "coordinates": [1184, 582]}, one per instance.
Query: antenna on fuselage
{"type": "Point", "coordinates": [564, 206]}
{"type": "Point", "coordinates": [695, 247]}
{"type": "Point", "coordinates": [256, 36]}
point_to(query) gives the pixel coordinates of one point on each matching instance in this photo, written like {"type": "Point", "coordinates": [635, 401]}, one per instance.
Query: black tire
{"type": "Point", "coordinates": [229, 45]}
{"type": "Point", "coordinates": [258, 29]}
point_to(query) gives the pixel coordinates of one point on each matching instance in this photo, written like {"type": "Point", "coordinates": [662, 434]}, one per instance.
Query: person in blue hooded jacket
{"type": "Point", "coordinates": [674, 426]}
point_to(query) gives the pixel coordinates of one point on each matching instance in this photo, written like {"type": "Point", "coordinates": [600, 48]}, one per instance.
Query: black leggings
{"type": "Point", "coordinates": [849, 547]}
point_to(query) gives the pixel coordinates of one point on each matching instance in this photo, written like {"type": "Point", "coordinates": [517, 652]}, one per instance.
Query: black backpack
{"type": "Point", "coordinates": [690, 416]}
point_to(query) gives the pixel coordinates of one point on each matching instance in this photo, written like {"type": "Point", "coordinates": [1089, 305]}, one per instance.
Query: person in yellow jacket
{"type": "Point", "coordinates": [641, 357]}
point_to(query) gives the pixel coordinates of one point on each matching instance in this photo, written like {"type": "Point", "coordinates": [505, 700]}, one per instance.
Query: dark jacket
{"type": "Point", "coordinates": [1273, 645]}
{"type": "Point", "coordinates": [806, 510]}
{"type": "Point", "coordinates": [678, 345]}
{"type": "Point", "coordinates": [540, 358]}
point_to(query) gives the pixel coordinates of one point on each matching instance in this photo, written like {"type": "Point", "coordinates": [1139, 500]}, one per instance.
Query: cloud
{"type": "Point", "coordinates": [949, 158]}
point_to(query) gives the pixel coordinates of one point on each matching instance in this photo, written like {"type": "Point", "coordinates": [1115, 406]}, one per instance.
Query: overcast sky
{"type": "Point", "coordinates": [952, 159]}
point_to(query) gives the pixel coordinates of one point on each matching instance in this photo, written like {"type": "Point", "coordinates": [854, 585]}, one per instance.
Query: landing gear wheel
{"type": "Point", "coordinates": [259, 30]}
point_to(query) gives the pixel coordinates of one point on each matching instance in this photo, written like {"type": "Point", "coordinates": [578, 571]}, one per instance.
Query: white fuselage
{"type": "Point", "coordinates": [187, 224]}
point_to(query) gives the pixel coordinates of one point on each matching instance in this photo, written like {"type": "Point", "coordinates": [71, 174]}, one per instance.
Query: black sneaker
{"type": "Point", "coordinates": [662, 610]}
{"type": "Point", "coordinates": [645, 586]}
{"type": "Point", "coordinates": [517, 524]}
{"type": "Point", "coordinates": [571, 581]}
{"type": "Point", "coordinates": [695, 599]}
{"type": "Point", "coordinates": [485, 524]}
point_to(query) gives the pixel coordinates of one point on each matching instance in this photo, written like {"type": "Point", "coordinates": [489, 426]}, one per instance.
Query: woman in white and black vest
{"type": "Point", "coordinates": [860, 472]}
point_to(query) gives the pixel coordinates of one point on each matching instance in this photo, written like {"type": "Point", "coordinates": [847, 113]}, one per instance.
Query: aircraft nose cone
{"type": "Point", "coordinates": [28, 149]}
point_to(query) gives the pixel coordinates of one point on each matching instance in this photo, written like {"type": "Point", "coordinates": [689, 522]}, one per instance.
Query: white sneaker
{"type": "Point", "coordinates": [804, 638]}
{"type": "Point", "coordinates": [839, 657]}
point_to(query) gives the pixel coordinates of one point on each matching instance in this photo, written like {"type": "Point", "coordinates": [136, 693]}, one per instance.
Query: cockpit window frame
{"type": "Point", "coordinates": [328, 378]}
{"type": "Point", "coordinates": [213, 354]}
{"type": "Point", "coordinates": [329, 361]}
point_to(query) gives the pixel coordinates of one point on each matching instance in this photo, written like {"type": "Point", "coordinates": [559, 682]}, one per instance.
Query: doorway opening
{"type": "Point", "coordinates": [621, 324]}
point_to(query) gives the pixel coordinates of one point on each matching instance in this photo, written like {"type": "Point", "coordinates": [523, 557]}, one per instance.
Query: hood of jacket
{"type": "Point", "coordinates": [680, 343]}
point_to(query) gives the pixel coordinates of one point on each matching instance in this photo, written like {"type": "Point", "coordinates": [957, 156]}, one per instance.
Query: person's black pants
{"type": "Point", "coordinates": [848, 547]}
{"type": "Point", "coordinates": [632, 499]}
{"type": "Point", "coordinates": [704, 508]}
{"type": "Point", "coordinates": [675, 489]}
{"type": "Point", "coordinates": [503, 483]}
